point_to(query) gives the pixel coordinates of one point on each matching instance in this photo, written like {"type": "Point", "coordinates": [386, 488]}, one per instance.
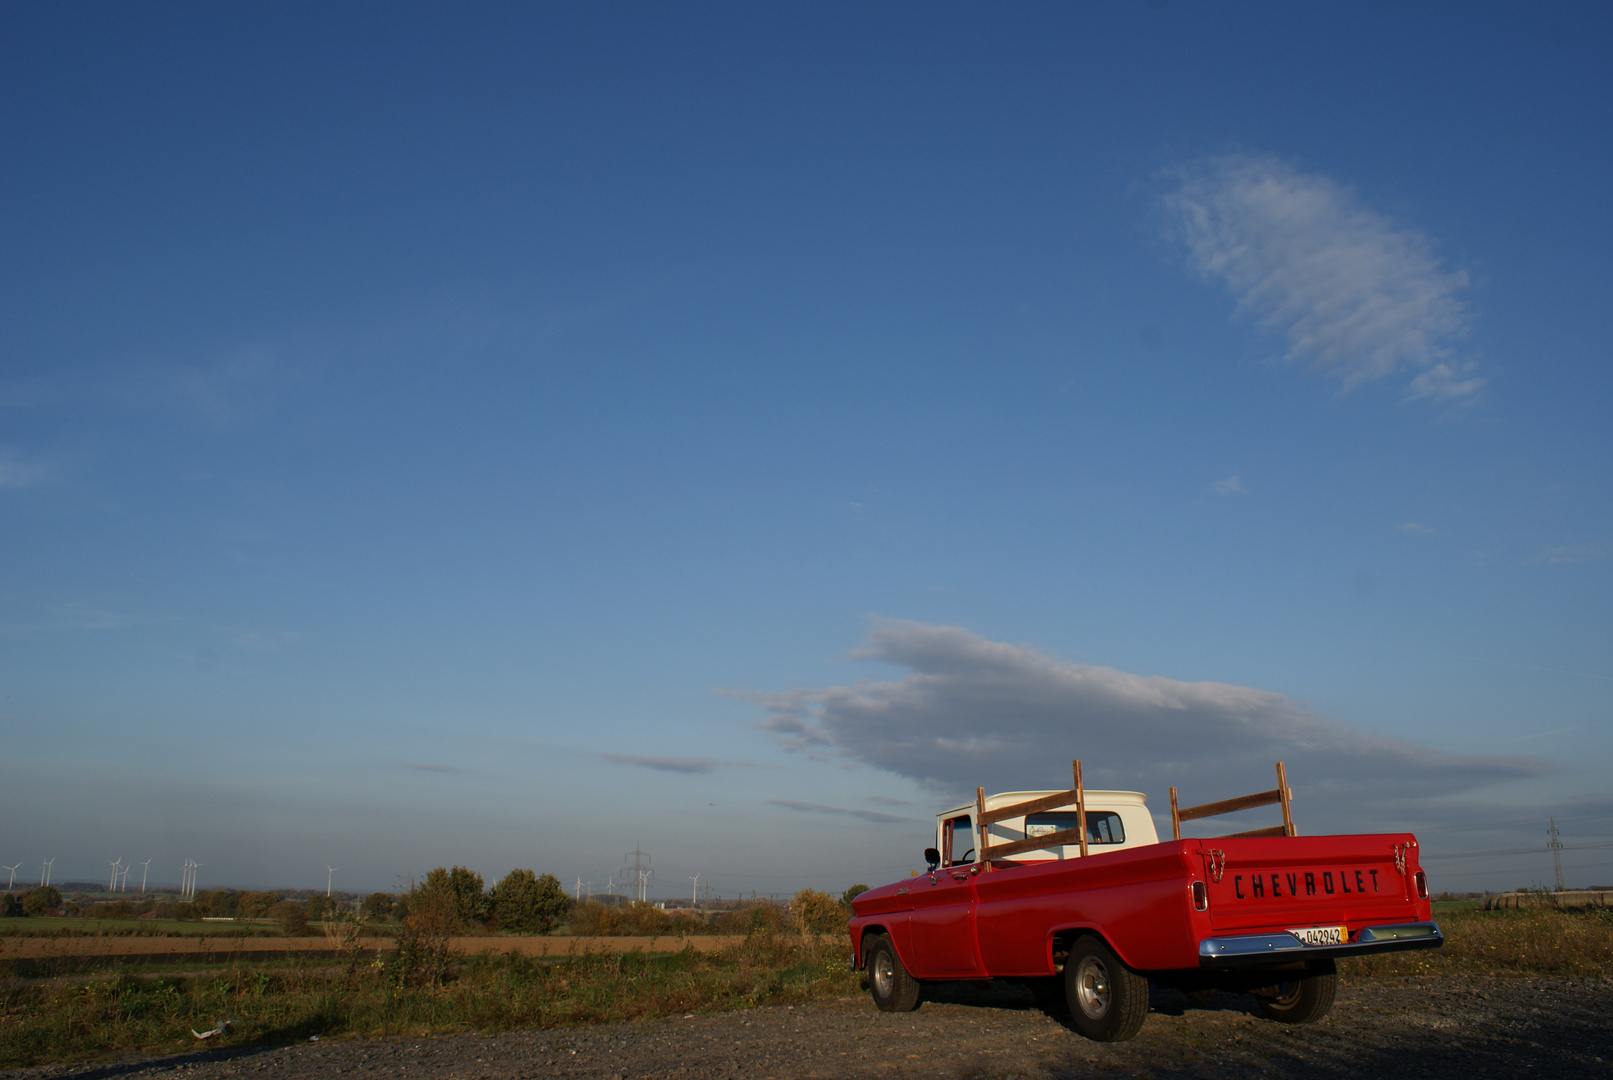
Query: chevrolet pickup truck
{"type": "Point", "coordinates": [1074, 893]}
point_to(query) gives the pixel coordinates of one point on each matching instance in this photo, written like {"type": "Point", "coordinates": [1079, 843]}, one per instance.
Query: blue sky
{"type": "Point", "coordinates": [502, 436]}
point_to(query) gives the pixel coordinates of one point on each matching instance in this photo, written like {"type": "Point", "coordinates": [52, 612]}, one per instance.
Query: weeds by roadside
{"type": "Point", "coordinates": [47, 1022]}
{"type": "Point", "coordinates": [1513, 942]}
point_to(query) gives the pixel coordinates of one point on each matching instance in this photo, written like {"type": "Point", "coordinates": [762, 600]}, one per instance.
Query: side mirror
{"type": "Point", "coordinates": [933, 857]}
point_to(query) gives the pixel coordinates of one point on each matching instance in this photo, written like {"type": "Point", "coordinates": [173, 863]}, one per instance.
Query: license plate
{"type": "Point", "coordinates": [1323, 935]}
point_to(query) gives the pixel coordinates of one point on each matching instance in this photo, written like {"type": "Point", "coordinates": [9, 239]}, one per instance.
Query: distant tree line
{"type": "Point", "coordinates": [455, 900]}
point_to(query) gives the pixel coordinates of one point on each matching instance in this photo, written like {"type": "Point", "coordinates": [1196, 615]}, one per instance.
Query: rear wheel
{"type": "Point", "coordinates": [893, 989]}
{"type": "Point", "coordinates": [1108, 1001]}
{"type": "Point", "coordinates": [1304, 1000]}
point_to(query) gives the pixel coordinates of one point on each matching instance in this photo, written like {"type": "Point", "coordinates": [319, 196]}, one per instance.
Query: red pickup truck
{"type": "Point", "coordinates": [1073, 891]}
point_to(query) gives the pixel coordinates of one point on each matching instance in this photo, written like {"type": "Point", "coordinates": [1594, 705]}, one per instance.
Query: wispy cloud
{"type": "Point", "coordinates": [1415, 529]}
{"type": "Point", "coordinates": [437, 768]}
{"type": "Point", "coordinates": [975, 712]}
{"type": "Point", "coordinates": [1569, 554]}
{"type": "Point", "coordinates": [677, 764]}
{"type": "Point", "coordinates": [81, 616]}
{"type": "Point", "coordinates": [20, 472]}
{"type": "Point", "coordinates": [1357, 297]}
{"type": "Point", "coordinates": [883, 800]}
{"type": "Point", "coordinates": [1232, 485]}
{"type": "Point", "coordinates": [262, 640]}
{"type": "Point", "coordinates": [819, 808]}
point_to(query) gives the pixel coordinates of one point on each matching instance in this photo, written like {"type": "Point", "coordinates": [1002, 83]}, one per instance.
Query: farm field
{"type": "Point", "coordinates": [224, 947]}
{"type": "Point", "coordinates": [141, 927]}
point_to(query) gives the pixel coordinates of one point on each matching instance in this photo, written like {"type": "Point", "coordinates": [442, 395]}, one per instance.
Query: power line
{"type": "Point", "coordinates": [1512, 851]}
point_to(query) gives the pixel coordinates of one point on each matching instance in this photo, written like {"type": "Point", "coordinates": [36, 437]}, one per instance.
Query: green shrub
{"type": "Point", "coordinates": [817, 912]}
{"type": "Point", "coordinates": [291, 916]}
{"type": "Point", "coordinates": [463, 890]}
{"type": "Point", "coordinates": [422, 956]}
{"type": "Point", "coordinates": [42, 900]}
{"type": "Point", "coordinates": [529, 904]}
{"type": "Point", "coordinates": [255, 905]}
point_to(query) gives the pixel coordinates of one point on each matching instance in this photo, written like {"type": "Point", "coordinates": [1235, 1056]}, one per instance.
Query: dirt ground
{"type": "Point", "coordinates": [1380, 1028]}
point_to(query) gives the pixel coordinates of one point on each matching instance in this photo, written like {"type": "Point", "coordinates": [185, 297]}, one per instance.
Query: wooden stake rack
{"type": "Point", "coordinates": [985, 818]}
{"type": "Point", "coordinates": [1281, 795]}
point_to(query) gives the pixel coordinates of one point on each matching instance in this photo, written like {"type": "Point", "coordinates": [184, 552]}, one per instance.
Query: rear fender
{"type": "Point", "coordinates": [1063, 937]}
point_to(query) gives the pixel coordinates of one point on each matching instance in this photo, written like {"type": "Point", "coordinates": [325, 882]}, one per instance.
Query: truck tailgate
{"type": "Point", "coordinates": [1284, 883]}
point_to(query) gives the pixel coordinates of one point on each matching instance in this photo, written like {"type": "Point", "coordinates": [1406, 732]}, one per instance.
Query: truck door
{"type": "Point", "coordinates": [943, 919]}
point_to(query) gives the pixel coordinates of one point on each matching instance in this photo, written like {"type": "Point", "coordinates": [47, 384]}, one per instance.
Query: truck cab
{"type": "Point", "coordinates": [1116, 820]}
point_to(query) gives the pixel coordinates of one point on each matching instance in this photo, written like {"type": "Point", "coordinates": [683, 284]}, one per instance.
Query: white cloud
{"type": "Point", "coordinates": [1415, 529]}
{"type": "Point", "coordinates": [1232, 485]}
{"type": "Point", "coordinates": [975, 712]}
{"type": "Point", "coordinates": [1357, 297]}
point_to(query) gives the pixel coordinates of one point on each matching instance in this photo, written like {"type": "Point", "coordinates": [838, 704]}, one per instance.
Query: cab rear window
{"type": "Point", "coordinates": [1103, 827]}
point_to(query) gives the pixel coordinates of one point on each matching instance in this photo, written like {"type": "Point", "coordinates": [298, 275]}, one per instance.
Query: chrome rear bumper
{"type": "Point", "coordinates": [1256, 949]}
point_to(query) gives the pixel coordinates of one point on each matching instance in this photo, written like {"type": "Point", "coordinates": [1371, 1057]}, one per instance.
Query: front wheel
{"type": "Point", "coordinates": [1304, 1000]}
{"type": "Point", "coordinates": [1108, 1001]}
{"type": "Point", "coordinates": [894, 990]}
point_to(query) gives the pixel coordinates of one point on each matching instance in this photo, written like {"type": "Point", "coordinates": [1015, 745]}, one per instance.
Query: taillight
{"type": "Point", "coordinates": [1422, 885]}
{"type": "Point", "coordinates": [1201, 896]}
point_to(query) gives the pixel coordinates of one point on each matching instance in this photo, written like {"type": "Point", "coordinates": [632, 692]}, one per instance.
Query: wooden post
{"type": "Point", "coordinates": [1176, 822]}
{"type": "Point", "coordinates": [1283, 795]}
{"type": "Point", "coordinates": [983, 852]}
{"type": "Point", "coordinates": [1080, 806]}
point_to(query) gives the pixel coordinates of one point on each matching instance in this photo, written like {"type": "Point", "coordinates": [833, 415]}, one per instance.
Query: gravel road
{"type": "Point", "coordinates": [1380, 1028]}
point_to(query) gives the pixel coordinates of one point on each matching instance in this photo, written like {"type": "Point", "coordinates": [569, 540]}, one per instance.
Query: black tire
{"type": "Point", "coordinates": [1108, 1001]}
{"type": "Point", "coordinates": [1304, 1000]}
{"type": "Point", "coordinates": [893, 989]}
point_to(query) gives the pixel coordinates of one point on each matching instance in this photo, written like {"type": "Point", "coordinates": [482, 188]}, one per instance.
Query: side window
{"type": "Point", "coordinates": [1103, 826]}
{"type": "Point", "coordinates": [959, 840]}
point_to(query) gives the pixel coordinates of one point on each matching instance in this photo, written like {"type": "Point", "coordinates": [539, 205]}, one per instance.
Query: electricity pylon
{"type": "Point", "coordinates": [1556, 846]}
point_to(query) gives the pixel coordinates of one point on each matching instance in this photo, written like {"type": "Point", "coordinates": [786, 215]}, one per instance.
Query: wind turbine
{"type": "Point", "coordinates": [145, 868]}
{"type": "Point", "coordinates": [330, 872]}
{"type": "Point", "coordinates": [44, 871]}
{"type": "Point", "coordinates": [13, 869]}
{"type": "Point", "coordinates": [694, 895]}
{"type": "Point", "coordinates": [111, 885]}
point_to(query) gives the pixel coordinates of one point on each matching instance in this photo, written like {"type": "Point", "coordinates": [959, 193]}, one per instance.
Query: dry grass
{"type": "Point", "coordinates": [1526, 942]}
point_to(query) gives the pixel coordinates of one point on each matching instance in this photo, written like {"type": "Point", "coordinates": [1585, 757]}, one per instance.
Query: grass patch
{"type": "Point", "coordinates": [1531, 941]}
{"type": "Point", "coordinates": [124, 1014]}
